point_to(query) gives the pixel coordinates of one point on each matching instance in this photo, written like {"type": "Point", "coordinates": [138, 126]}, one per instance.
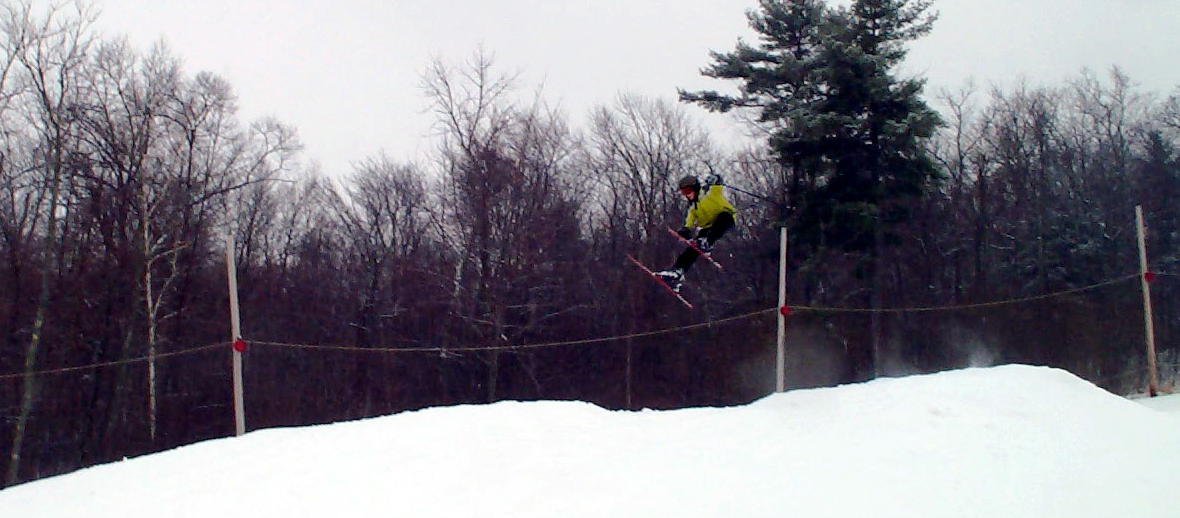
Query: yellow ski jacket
{"type": "Point", "coordinates": [703, 212]}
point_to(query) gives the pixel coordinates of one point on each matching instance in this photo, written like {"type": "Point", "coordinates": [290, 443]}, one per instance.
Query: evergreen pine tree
{"type": "Point", "coordinates": [850, 130]}
{"type": "Point", "coordinates": [1159, 187]}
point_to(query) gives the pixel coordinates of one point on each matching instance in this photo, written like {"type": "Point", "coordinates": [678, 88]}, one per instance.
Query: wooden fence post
{"type": "Point", "coordinates": [236, 330]}
{"type": "Point", "coordinates": [1145, 277]}
{"type": "Point", "coordinates": [781, 358]}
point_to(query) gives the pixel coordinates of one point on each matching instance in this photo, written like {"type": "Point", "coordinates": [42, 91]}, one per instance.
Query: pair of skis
{"type": "Point", "coordinates": [661, 281]}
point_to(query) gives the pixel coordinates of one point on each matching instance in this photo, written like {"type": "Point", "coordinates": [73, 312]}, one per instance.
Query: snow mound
{"type": "Point", "coordinates": [1012, 441]}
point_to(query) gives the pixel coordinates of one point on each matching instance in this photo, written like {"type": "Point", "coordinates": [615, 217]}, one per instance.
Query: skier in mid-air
{"type": "Point", "coordinates": [710, 216]}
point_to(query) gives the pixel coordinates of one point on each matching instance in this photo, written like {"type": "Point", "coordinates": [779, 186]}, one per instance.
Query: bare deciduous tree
{"type": "Point", "coordinates": [51, 49]}
{"type": "Point", "coordinates": [506, 206]}
{"type": "Point", "coordinates": [640, 147]}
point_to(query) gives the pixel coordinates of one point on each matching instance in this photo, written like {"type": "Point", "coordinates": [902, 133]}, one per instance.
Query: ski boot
{"type": "Point", "coordinates": [674, 278]}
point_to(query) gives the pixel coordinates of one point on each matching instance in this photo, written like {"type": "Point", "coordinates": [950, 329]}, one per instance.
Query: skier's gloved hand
{"type": "Point", "coordinates": [704, 243]}
{"type": "Point", "coordinates": [686, 232]}
{"type": "Point", "coordinates": [713, 179]}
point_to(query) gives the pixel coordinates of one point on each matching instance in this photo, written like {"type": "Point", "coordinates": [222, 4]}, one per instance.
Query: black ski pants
{"type": "Point", "coordinates": [713, 232]}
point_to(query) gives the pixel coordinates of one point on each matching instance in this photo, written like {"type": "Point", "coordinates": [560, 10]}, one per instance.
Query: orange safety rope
{"type": "Point", "coordinates": [444, 350]}
{"type": "Point", "coordinates": [506, 347]}
{"type": "Point", "coordinates": [920, 309]}
{"type": "Point", "coordinates": [112, 363]}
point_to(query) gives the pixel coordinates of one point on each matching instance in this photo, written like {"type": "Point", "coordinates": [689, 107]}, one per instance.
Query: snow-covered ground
{"type": "Point", "coordinates": [1165, 403]}
{"type": "Point", "coordinates": [1010, 441]}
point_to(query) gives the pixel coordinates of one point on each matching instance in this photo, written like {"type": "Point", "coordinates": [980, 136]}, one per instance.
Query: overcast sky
{"type": "Point", "coordinates": [345, 73]}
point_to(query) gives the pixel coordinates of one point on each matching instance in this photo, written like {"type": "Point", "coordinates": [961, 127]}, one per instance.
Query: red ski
{"type": "Point", "coordinates": [661, 281]}
{"type": "Point", "coordinates": [694, 246]}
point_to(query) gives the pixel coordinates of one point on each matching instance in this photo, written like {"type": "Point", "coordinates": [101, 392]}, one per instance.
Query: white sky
{"type": "Point", "coordinates": [345, 73]}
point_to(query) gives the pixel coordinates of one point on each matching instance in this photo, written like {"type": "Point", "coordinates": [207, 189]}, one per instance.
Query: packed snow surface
{"type": "Point", "coordinates": [1011, 441]}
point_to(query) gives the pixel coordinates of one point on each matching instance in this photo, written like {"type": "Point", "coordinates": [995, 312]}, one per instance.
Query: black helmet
{"type": "Point", "coordinates": [689, 182]}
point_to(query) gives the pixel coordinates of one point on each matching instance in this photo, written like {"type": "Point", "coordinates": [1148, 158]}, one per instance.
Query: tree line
{"type": "Point", "coordinates": [122, 175]}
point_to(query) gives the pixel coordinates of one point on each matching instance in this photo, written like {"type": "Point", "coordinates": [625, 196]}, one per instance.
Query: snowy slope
{"type": "Point", "coordinates": [1009, 441]}
{"type": "Point", "coordinates": [1164, 403]}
